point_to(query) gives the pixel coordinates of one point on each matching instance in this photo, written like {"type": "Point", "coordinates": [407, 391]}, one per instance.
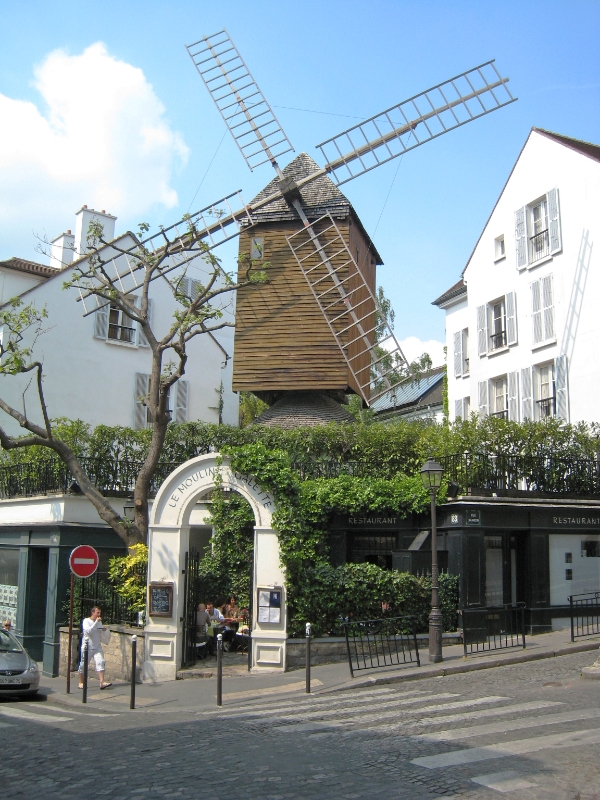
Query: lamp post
{"type": "Point", "coordinates": [431, 475]}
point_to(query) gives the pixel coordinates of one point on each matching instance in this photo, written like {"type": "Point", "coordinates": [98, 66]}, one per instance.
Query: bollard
{"type": "Point", "coordinates": [220, 669]}
{"type": "Point", "coordinates": [133, 666]}
{"type": "Point", "coordinates": [85, 669]}
{"type": "Point", "coordinates": [308, 658]}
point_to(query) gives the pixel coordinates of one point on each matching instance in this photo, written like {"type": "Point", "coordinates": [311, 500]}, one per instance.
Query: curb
{"type": "Point", "coordinates": [456, 669]}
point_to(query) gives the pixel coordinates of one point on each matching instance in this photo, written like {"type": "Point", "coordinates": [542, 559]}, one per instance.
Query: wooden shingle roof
{"type": "Point", "coordinates": [32, 267]}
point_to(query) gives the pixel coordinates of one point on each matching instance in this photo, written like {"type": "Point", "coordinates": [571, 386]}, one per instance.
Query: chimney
{"type": "Point", "coordinates": [61, 253]}
{"type": "Point", "coordinates": [86, 215]}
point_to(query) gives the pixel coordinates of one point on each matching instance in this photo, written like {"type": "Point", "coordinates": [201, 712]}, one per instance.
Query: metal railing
{"type": "Point", "coordinates": [498, 340]}
{"type": "Point", "coordinates": [546, 407]}
{"type": "Point", "coordinates": [375, 643]}
{"type": "Point", "coordinates": [53, 476]}
{"type": "Point", "coordinates": [500, 414]}
{"type": "Point", "coordinates": [585, 614]}
{"type": "Point", "coordinates": [492, 628]}
{"type": "Point", "coordinates": [550, 474]}
{"type": "Point", "coordinates": [539, 246]}
{"type": "Point", "coordinates": [121, 333]}
{"type": "Point", "coordinates": [98, 590]}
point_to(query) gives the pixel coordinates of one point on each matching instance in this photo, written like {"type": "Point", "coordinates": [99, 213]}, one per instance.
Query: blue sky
{"type": "Point", "coordinates": [70, 132]}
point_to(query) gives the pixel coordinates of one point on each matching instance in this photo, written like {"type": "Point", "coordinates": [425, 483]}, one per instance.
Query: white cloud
{"type": "Point", "coordinates": [413, 347]}
{"type": "Point", "coordinates": [101, 140]}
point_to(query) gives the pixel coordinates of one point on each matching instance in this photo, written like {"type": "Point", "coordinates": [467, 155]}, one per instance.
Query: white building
{"type": "Point", "coordinates": [96, 367]}
{"type": "Point", "coordinates": [522, 323]}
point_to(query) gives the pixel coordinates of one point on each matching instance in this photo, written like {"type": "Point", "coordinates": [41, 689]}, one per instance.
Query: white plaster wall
{"type": "Point", "coordinates": [13, 283]}
{"type": "Point", "coordinates": [94, 380]}
{"type": "Point", "coordinates": [543, 165]}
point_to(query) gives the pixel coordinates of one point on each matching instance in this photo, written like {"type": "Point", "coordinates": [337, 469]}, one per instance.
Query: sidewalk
{"type": "Point", "coordinates": [199, 695]}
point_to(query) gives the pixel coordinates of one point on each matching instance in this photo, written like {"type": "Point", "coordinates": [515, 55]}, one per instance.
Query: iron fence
{"type": "Point", "coordinates": [585, 614]}
{"type": "Point", "coordinates": [492, 628]}
{"type": "Point", "coordinates": [549, 474]}
{"type": "Point", "coordinates": [539, 246]}
{"type": "Point", "coordinates": [97, 590]}
{"type": "Point", "coordinates": [375, 643]}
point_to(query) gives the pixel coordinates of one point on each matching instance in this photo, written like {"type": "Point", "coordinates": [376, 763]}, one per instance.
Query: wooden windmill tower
{"type": "Point", "coordinates": [314, 327]}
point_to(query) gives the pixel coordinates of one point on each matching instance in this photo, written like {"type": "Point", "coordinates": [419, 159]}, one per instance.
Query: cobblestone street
{"type": "Point", "coordinates": [528, 731]}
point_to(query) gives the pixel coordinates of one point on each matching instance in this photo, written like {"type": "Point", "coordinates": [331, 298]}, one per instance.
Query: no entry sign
{"type": "Point", "coordinates": [83, 561]}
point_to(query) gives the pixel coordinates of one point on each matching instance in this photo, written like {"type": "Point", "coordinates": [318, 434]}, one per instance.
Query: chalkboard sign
{"type": "Point", "coordinates": [161, 599]}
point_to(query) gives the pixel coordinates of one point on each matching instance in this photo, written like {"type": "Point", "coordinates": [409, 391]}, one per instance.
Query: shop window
{"type": "Point", "coordinates": [590, 549]}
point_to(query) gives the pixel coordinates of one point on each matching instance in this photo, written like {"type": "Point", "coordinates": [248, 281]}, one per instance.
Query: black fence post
{"type": "Point", "coordinates": [220, 669]}
{"type": "Point", "coordinates": [523, 624]}
{"type": "Point", "coordinates": [308, 658]}
{"type": "Point", "coordinates": [572, 619]}
{"type": "Point", "coordinates": [85, 669]}
{"type": "Point", "coordinates": [133, 669]}
{"type": "Point", "coordinates": [348, 648]}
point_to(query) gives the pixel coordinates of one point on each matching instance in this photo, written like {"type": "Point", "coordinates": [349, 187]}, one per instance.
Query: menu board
{"type": "Point", "coordinates": [161, 599]}
{"type": "Point", "coordinates": [269, 605]}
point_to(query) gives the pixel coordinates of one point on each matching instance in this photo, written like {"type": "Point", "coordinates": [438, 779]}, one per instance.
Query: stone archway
{"type": "Point", "coordinates": [168, 542]}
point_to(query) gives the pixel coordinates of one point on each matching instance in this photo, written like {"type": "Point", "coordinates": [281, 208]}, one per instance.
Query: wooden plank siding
{"type": "Point", "coordinates": [282, 340]}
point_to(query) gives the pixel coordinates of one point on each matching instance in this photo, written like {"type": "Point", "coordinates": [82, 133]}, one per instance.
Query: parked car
{"type": "Point", "coordinates": [19, 673]}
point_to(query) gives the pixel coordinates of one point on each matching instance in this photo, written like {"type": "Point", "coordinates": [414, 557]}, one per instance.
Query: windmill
{"type": "Point", "coordinates": [339, 340]}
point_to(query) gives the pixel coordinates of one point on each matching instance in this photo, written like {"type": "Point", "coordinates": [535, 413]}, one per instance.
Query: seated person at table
{"type": "Point", "coordinates": [214, 613]}
{"type": "Point", "coordinates": [202, 620]}
{"type": "Point", "coordinates": [231, 609]}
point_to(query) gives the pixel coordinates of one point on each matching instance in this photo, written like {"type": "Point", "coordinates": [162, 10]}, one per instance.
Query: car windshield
{"type": "Point", "coordinates": [8, 643]}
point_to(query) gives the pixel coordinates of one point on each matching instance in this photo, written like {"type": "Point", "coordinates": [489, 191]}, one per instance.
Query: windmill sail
{"type": "Point", "coordinates": [401, 128]}
{"type": "Point", "coordinates": [248, 116]}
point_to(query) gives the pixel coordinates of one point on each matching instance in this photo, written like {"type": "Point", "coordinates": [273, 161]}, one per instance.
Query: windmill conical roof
{"type": "Point", "coordinates": [303, 409]}
{"type": "Point", "coordinates": [318, 197]}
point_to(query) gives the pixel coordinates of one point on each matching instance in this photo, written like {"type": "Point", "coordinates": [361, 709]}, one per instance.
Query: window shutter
{"type": "Point", "coordinates": [554, 221]}
{"type": "Point", "coordinates": [536, 312]}
{"type": "Point", "coordinates": [526, 394]}
{"type": "Point", "coordinates": [181, 401]}
{"type": "Point", "coordinates": [458, 409]}
{"type": "Point", "coordinates": [101, 319]}
{"type": "Point", "coordinates": [458, 360]}
{"type": "Point", "coordinates": [513, 396]}
{"type": "Point", "coordinates": [139, 409]}
{"type": "Point", "coordinates": [194, 289]}
{"type": "Point", "coordinates": [483, 399]}
{"type": "Point", "coordinates": [511, 318]}
{"type": "Point", "coordinates": [142, 341]}
{"type": "Point", "coordinates": [562, 390]}
{"type": "Point", "coordinates": [548, 307]}
{"type": "Point", "coordinates": [482, 330]}
{"type": "Point", "coordinates": [521, 238]}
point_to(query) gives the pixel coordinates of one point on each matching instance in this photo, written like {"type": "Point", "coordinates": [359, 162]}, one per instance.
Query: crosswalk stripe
{"type": "Point", "coordinates": [19, 713]}
{"type": "Point", "coordinates": [516, 748]}
{"type": "Point", "coordinates": [6, 725]}
{"type": "Point", "coordinates": [511, 725]}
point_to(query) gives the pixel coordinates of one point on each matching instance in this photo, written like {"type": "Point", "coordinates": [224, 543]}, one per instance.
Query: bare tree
{"type": "Point", "coordinates": [204, 310]}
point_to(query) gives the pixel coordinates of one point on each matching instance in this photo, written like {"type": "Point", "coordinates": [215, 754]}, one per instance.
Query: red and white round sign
{"type": "Point", "coordinates": [84, 561]}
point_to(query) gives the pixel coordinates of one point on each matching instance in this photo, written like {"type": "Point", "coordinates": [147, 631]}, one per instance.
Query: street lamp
{"type": "Point", "coordinates": [431, 475]}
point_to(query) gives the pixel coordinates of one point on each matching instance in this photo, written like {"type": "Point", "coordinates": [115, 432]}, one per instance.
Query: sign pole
{"type": "Point", "coordinates": [70, 647]}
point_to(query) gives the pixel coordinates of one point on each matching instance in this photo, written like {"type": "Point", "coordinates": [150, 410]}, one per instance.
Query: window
{"type": "Point", "coordinates": [497, 324]}
{"type": "Point", "coordinates": [544, 390]}
{"type": "Point", "coordinates": [177, 401]}
{"type": "Point", "coordinates": [499, 397]}
{"type": "Point", "coordinates": [537, 230]}
{"type": "Point", "coordinates": [257, 248]}
{"type": "Point", "coordinates": [462, 408]}
{"type": "Point", "coordinates": [121, 328]}
{"type": "Point", "coordinates": [499, 249]}
{"type": "Point", "coordinates": [461, 353]}
{"type": "Point", "coordinates": [542, 310]}
{"type": "Point", "coordinates": [113, 325]}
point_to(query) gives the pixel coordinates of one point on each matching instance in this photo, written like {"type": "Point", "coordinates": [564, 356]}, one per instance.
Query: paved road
{"type": "Point", "coordinates": [528, 732]}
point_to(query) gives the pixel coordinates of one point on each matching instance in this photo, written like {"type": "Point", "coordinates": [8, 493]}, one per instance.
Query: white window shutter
{"type": "Point", "coordinates": [195, 287]}
{"type": "Point", "coordinates": [458, 358]}
{"type": "Point", "coordinates": [536, 312]}
{"type": "Point", "coordinates": [101, 319]}
{"type": "Point", "coordinates": [548, 307]}
{"type": "Point", "coordinates": [554, 221]}
{"type": "Point", "coordinates": [521, 238]}
{"type": "Point", "coordinates": [458, 409]}
{"type": "Point", "coordinates": [484, 406]}
{"type": "Point", "coordinates": [513, 396]}
{"type": "Point", "coordinates": [181, 401]}
{"type": "Point", "coordinates": [511, 318]}
{"type": "Point", "coordinates": [142, 341]}
{"type": "Point", "coordinates": [562, 389]}
{"type": "Point", "coordinates": [140, 415]}
{"type": "Point", "coordinates": [526, 394]}
{"type": "Point", "coordinates": [482, 336]}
